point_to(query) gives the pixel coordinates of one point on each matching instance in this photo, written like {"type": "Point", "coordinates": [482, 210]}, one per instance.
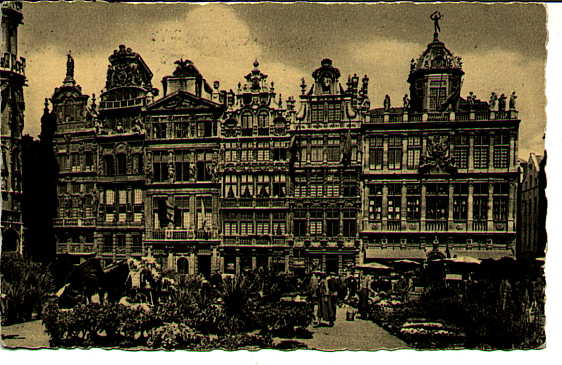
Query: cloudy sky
{"type": "Point", "coordinates": [503, 46]}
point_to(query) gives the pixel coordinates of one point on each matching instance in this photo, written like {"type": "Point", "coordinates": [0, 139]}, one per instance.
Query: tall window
{"type": "Point", "coordinates": [160, 166]}
{"type": "Point", "coordinates": [122, 206]}
{"type": "Point", "coordinates": [262, 223]}
{"type": "Point", "coordinates": [109, 165]}
{"type": "Point", "coordinates": [350, 188]}
{"type": "Point", "coordinates": [204, 206]}
{"type": "Point", "coordinates": [414, 151]}
{"type": "Point", "coordinates": [480, 202]}
{"type": "Point", "coordinates": [413, 199]}
{"type": "Point", "coordinates": [501, 201]}
{"type": "Point", "coordinates": [437, 201]}
{"type": "Point", "coordinates": [202, 171]}
{"type": "Point", "coordinates": [299, 223]}
{"type": "Point", "coordinates": [121, 164]}
{"type": "Point", "coordinates": [460, 201]}
{"type": "Point", "coordinates": [107, 243]}
{"type": "Point", "coordinates": [246, 223]}
{"type": "Point", "coordinates": [247, 186]}
{"type": "Point", "coordinates": [375, 203]}
{"type": "Point", "coordinates": [230, 186]}
{"type": "Point", "coordinates": [138, 205]}
{"type": "Point", "coordinates": [481, 151]}
{"type": "Point", "coordinates": [182, 166]}
{"type": "Point", "coordinates": [394, 201]}
{"type": "Point", "coordinates": [376, 153]}
{"type": "Point", "coordinates": [230, 224]}
{"type": "Point", "coordinates": [316, 222]}
{"type": "Point", "coordinates": [333, 150]}
{"type": "Point", "coordinates": [160, 129]}
{"type": "Point", "coordinates": [247, 150]}
{"type": "Point", "coordinates": [262, 186]}
{"type": "Point", "coordinates": [263, 120]}
{"type": "Point", "coordinates": [501, 150]}
{"type": "Point", "coordinates": [263, 151]}
{"type": "Point", "coordinates": [89, 157]}
{"type": "Point", "coordinates": [460, 152]}
{"type": "Point", "coordinates": [279, 224]}
{"type": "Point", "coordinates": [247, 120]}
{"type": "Point", "coordinates": [230, 153]}
{"type": "Point", "coordinates": [279, 186]}
{"type": "Point", "coordinates": [437, 94]}
{"type": "Point", "coordinates": [317, 151]}
{"type": "Point", "coordinates": [181, 213]}
{"type": "Point", "coordinates": [349, 223]}
{"type": "Point", "coordinates": [75, 162]}
{"type": "Point", "coordinates": [332, 222]}
{"type": "Point", "coordinates": [138, 164]}
{"type": "Point", "coordinates": [394, 152]}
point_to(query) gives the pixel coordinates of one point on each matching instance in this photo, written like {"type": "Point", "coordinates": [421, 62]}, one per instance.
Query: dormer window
{"type": "Point", "coordinates": [437, 92]}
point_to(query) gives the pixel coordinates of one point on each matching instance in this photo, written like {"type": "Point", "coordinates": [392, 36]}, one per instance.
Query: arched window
{"type": "Point", "coordinates": [183, 266]}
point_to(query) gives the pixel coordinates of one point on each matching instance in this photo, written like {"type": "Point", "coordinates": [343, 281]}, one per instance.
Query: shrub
{"type": "Point", "coordinates": [175, 336]}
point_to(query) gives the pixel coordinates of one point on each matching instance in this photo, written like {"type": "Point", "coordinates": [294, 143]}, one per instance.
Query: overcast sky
{"type": "Point", "coordinates": [502, 45]}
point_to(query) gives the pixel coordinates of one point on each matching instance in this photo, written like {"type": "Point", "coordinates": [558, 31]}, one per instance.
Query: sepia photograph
{"type": "Point", "coordinates": [281, 176]}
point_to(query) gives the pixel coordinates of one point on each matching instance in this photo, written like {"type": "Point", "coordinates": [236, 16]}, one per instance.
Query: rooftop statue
{"type": "Point", "coordinates": [513, 101]}
{"type": "Point", "coordinates": [436, 16]}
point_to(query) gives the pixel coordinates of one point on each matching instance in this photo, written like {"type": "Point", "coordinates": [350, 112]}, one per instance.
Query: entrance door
{"type": "Point", "coordinates": [204, 265]}
{"type": "Point", "coordinates": [332, 264]}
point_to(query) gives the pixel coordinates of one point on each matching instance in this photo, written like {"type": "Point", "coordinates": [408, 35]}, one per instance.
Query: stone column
{"type": "Point", "coordinates": [490, 207]}
{"type": "Point", "coordinates": [384, 206]}
{"type": "Point", "coordinates": [469, 208]}
{"type": "Point", "coordinates": [511, 216]}
{"type": "Point", "coordinates": [491, 153]}
{"type": "Point", "coordinates": [470, 152]}
{"type": "Point", "coordinates": [385, 154]}
{"type": "Point", "coordinates": [403, 207]}
{"type": "Point", "coordinates": [450, 212]}
{"type": "Point", "coordinates": [423, 207]}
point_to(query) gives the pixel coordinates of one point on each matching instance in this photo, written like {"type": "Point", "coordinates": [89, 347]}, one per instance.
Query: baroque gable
{"type": "Point", "coordinates": [182, 100]}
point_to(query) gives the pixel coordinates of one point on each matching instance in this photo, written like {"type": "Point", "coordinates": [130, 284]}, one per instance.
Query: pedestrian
{"type": "Point", "coordinates": [313, 295]}
{"type": "Point", "coordinates": [363, 304]}
{"type": "Point", "coordinates": [326, 311]}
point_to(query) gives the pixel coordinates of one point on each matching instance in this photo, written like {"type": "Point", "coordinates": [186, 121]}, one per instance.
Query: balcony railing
{"type": "Point", "coordinates": [251, 203]}
{"type": "Point", "coordinates": [254, 241]}
{"type": "Point", "coordinates": [80, 222]}
{"type": "Point", "coordinates": [179, 234]}
{"type": "Point", "coordinates": [443, 116]}
{"type": "Point", "coordinates": [394, 226]}
{"type": "Point", "coordinates": [436, 225]}
{"type": "Point", "coordinates": [480, 226]}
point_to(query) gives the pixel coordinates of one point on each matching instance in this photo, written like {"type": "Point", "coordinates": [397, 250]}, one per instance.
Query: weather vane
{"type": "Point", "coordinates": [436, 16]}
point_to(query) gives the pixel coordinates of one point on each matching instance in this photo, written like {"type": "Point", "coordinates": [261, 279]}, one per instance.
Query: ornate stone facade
{"type": "Point", "coordinates": [12, 81]}
{"type": "Point", "coordinates": [205, 179]}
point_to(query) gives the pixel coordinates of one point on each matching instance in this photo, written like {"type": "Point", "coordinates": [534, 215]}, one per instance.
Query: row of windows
{"type": "Point", "coordinates": [163, 129]}
{"type": "Point", "coordinates": [76, 162]}
{"type": "Point", "coordinates": [117, 165]}
{"type": "Point", "coordinates": [330, 222]}
{"type": "Point", "coordinates": [247, 186]}
{"type": "Point", "coordinates": [261, 153]}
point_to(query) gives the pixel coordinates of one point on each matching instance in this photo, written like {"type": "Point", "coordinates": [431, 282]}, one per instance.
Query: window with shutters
{"type": "Point", "coordinates": [332, 222]}
{"type": "Point", "coordinates": [501, 201]}
{"type": "Point", "coordinates": [349, 223]}
{"type": "Point", "coordinates": [480, 202]}
{"type": "Point", "coordinates": [394, 205]}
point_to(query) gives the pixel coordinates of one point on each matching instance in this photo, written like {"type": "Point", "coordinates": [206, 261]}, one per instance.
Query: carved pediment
{"type": "Point", "coordinates": [183, 101]}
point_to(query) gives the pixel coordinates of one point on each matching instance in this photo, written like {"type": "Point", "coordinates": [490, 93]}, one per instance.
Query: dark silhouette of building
{"type": "Point", "coordinates": [12, 79]}
{"type": "Point", "coordinates": [533, 204]}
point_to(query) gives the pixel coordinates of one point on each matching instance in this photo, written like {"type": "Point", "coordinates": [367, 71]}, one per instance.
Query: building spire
{"type": "Point", "coordinates": [69, 79]}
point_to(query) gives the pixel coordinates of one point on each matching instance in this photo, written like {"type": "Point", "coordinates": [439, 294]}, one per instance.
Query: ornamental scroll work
{"type": "Point", "coordinates": [437, 156]}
